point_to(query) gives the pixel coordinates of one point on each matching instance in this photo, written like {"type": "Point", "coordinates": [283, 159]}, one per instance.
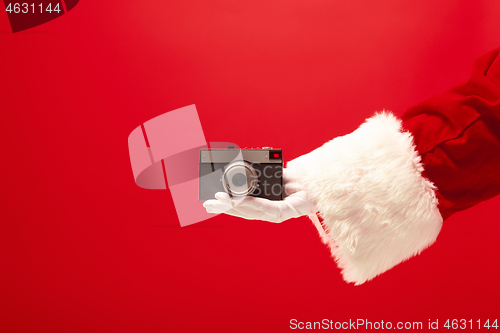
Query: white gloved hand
{"type": "Point", "coordinates": [296, 203]}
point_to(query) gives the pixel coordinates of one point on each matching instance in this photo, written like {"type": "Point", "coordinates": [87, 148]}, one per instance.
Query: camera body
{"type": "Point", "coordinates": [241, 172]}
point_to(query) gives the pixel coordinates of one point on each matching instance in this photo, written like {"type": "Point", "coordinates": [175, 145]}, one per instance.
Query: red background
{"type": "Point", "coordinates": [83, 249]}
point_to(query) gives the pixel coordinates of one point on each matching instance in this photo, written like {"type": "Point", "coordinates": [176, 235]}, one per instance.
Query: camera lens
{"type": "Point", "coordinates": [239, 179]}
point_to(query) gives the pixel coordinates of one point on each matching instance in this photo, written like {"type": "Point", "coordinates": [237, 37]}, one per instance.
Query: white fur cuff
{"type": "Point", "coordinates": [377, 208]}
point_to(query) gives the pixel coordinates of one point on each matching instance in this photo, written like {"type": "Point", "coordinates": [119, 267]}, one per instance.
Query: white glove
{"type": "Point", "coordinates": [296, 203]}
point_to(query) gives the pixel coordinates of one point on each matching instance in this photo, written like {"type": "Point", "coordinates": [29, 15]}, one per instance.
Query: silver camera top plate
{"type": "Point", "coordinates": [252, 155]}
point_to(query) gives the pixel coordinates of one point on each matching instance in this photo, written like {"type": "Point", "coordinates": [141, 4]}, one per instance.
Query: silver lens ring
{"type": "Point", "coordinates": [239, 178]}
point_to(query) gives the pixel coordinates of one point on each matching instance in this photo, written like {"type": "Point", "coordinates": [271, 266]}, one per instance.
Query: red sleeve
{"type": "Point", "coordinates": [384, 190]}
{"type": "Point", "coordinates": [458, 137]}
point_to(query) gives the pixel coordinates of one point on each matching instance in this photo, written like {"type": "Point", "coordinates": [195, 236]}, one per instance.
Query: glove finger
{"type": "Point", "coordinates": [221, 208]}
{"type": "Point", "coordinates": [245, 214]}
{"type": "Point", "coordinates": [227, 199]}
{"type": "Point", "coordinates": [249, 208]}
{"type": "Point", "coordinates": [250, 213]}
{"type": "Point", "coordinates": [290, 182]}
{"type": "Point", "coordinates": [253, 208]}
{"type": "Point", "coordinates": [223, 197]}
{"type": "Point", "coordinates": [291, 188]}
{"type": "Point", "coordinates": [294, 205]}
{"type": "Point", "coordinates": [300, 203]}
{"type": "Point", "coordinates": [289, 176]}
{"type": "Point", "coordinates": [216, 206]}
{"type": "Point", "coordinates": [256, 203]}
{"type": "Point", "coordinates": [265, 209]}
{"type": "Point", "coordinates": [221, 204]}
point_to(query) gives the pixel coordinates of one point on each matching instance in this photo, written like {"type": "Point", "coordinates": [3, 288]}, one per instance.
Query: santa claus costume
{"type": "Point", "coordinates": [383, 191]}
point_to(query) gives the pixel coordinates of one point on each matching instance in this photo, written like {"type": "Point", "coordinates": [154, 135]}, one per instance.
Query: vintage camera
{"type": "Point", "coordinates": [241, 172]}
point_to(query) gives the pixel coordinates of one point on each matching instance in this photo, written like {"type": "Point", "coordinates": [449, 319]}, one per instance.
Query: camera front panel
{"type": "Point", "coordinates": [270, 181]}
{"type": "Point", "coordinates": [210, 180]}
{"type": "Point", "coordinates": [253, 172]}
